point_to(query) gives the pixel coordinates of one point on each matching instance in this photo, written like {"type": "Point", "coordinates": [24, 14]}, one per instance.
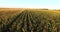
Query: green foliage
{"type": "Point", "coordinates": [31, 21]}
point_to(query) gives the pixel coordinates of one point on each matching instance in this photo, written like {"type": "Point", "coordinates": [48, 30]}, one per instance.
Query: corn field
{"type": "Point", "coordinates": [31, 21]}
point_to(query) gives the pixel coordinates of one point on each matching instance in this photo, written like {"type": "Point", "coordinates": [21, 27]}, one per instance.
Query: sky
{"type": "Point", "coordinates": [50, 4]}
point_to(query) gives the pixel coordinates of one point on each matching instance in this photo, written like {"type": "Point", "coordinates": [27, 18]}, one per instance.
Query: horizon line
{"type": "Point", "coordinates": [31, 8]}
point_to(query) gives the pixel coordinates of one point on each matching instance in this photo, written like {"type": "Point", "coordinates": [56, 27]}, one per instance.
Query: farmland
{"type": "Point", "coordinates": [29, 20]}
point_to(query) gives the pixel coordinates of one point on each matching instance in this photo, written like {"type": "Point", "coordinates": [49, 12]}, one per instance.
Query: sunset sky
{"type": "Point", "coordinates": [51, 4]}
